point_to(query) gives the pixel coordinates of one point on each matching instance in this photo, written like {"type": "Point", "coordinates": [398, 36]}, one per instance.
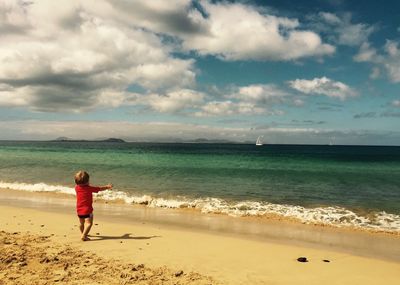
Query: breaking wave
{"type": "Point", "coordinates": [334, 216]}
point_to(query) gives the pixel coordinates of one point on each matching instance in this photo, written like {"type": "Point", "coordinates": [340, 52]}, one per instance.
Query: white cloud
{"type": "Point", "coordinates": [229, 108]}
{"type": "Point", "coordinates": [255, 36]}
{"type": "Point", "coordinates": [388, 61]}
{"type": "Point", "coordinates": [396, 103]}
{"type": "Point", "coordinates": [392, 61]}
{"type": "Point", "coordinates": [366, 53]}
{"type": "Point", "coordinates": [323, 86]}
{"type": "Point", "coordinates": [298, 102]}
{"type": "Point", "coordinates": [13, 98]}
{"type": "Point", "coordinates": [71, 58]}
{"type": "Point", "coordinates": [261, 36]}
{"type": "Point", "coordinates": [174, 101]}
{"type": "Point", "coordinates": [12, 17]}
{"type": "Point", "coordinates": [259, 94]}
{"type": "Point", "coordinates": [344, 31]}
{"type": "Point", "coordinates": [88, 53]}
{"type": "Point", "coordinates": [255, 99]}
{"type": "Point", "coordinates": [375, 73]}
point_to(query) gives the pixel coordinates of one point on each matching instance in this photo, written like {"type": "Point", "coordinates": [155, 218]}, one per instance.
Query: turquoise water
{"type": "Point", "coordinates": [348, 176]}
{"type": "Point", "coordinates": [358, 178]}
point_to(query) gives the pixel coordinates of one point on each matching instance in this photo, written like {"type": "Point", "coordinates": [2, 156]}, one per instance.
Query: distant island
{"type": "Point", "coordinates": [170, 140]}
{"type": "Point", "coordinates": [65, 139]}
{"type": "Point", "coordinates": [203, 140]}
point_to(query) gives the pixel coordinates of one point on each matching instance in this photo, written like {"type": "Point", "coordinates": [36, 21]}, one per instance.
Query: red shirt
{"type": "Point", "coordinates": [84, 198]}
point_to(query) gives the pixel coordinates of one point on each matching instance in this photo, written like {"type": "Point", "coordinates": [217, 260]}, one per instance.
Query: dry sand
{"type": "Point", "coordinates": [33, 259]}
{"type": "Point", "coordinates": [165, 250]}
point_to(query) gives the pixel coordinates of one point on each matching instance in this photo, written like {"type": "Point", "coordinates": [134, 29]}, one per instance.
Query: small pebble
{"type": "Point", "coordinates": [326, 260]}
{"type": "Point", "coordinates": [302, 259]}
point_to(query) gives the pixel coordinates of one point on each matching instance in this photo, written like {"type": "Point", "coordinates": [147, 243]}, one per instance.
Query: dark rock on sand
{"type": "Point", "coordinates": [178, 273]}
{"type": "Point", "coordinates": [302, 259]}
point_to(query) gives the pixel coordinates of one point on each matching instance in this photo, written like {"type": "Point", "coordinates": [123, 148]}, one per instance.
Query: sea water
{"type": "Point", "coordinates": [338, 185]}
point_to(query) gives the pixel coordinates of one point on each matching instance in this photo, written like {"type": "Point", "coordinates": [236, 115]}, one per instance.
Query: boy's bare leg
{"type": "Point", "coordinates": [88, 226]}
{"type": "Point", "coordinates": [81, 224]}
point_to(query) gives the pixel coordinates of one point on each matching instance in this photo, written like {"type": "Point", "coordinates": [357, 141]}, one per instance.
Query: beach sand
{"type": "Point", "coordinates": [204, 256]}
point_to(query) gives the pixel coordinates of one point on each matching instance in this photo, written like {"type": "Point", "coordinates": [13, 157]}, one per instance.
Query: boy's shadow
{"type": "Point", "coordinates": [124, 236]}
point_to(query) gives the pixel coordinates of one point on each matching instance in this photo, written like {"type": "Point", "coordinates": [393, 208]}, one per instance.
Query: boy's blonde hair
{"type": "Point", "coordinates": [81, 177]}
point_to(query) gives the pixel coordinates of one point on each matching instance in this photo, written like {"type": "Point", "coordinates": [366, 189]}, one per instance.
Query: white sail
{"type": "Point", "coordinates": [259, 142]}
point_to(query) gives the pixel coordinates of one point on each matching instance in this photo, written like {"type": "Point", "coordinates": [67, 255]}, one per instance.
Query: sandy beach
{"type": "Point", "coordinates": [205, 256]}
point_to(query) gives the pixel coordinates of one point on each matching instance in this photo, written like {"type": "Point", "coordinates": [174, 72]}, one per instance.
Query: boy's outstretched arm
{"type": "Point", "coordinates": [106, 187]}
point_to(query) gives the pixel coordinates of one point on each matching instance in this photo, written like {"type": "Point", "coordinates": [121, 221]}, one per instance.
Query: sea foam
{"type": "Point", "coordinates": [334, 216]}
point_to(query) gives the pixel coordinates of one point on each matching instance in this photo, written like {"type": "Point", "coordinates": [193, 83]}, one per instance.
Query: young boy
{"type": "Point", "coordinates": [84, 201]}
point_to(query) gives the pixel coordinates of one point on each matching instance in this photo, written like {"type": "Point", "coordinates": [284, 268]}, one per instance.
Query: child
{"type": "Point", "coordinates": [84, 201]}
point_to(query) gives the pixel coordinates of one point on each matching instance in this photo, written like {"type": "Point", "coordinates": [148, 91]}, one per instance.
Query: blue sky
{"type": "Point", "coordinates": [295, 72]}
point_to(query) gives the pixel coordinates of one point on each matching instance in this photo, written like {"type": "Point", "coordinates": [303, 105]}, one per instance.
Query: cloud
{"type": "Point", "coordinates": [229, 108]}
{"type": "Point", "coordinates": [341, 30]}
{"type": "Point", "coordinates": [254, 99]}
{"type": "Point", "coordinates": [261, 36]}
{"type": "Point", "coordinates": [389, 114]}
{"type": "Point", "coordinates": [259, 94]}
{"type": "Point", "coordinates": [396, 103]}
{"type": "Point", "coordinates": [323, 86]}
{"type": "Point", "coordinates": [172, 102]}
{"type": "Point", "coordinates": [365, 115]}
{"type": "Point", "coordinates": [87, 55]}
{"type": "Point", "coordinates": [295, 123]}
{"type": "Point", "coordinates": [298, 102]}
{"type": "Point", "coordinates": [366, 53]}
{"type": "Point", "coordinates": [207, 29]}
{"type": "Point", "coordinates": [388, 61]}
{"type": "Point", "coordinates": [174, 17]}
{"type": "Point", "coordinates": [74, 58]}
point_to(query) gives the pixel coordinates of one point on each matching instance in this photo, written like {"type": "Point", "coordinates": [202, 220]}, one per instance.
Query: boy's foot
{"type": "Point", "coordinates": [85, 238]}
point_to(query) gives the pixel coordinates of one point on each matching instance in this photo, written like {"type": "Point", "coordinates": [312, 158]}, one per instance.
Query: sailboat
{"type": "Point", "coordinates": [259, 142]}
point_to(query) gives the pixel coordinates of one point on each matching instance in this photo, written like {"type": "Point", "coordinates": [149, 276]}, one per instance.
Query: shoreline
{"type": "Point", "coordinates": [280, 231]}
{"type": "Point", "coordinates": [226, 258]}
{"type": "Point", "coordinates": [322, 216]}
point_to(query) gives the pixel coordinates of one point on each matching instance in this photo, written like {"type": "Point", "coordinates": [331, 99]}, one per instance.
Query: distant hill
{"type": "Point", "coordinates": [203, 140]}
{"type": "Point", "coordinates": [113, 140]}
{"type": "Point", "coordinates": [62, 139]}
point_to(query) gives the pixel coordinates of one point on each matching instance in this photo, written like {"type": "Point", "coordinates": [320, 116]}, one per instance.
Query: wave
{"type": "Point", "coordinates": [334, 215]}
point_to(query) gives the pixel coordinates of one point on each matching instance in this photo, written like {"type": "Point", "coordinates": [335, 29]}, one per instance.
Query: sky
{"type": "Point", "coordinates": [294, 72]}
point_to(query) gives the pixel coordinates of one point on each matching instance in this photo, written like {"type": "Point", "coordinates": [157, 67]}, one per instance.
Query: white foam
{"type": "Point", "coordinates": [335, 216]}
{"type": "Point", "coordinates": [37, 187]}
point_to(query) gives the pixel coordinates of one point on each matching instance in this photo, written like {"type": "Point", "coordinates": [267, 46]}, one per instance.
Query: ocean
{"type": "Point", "coordinates": [338, 185]}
